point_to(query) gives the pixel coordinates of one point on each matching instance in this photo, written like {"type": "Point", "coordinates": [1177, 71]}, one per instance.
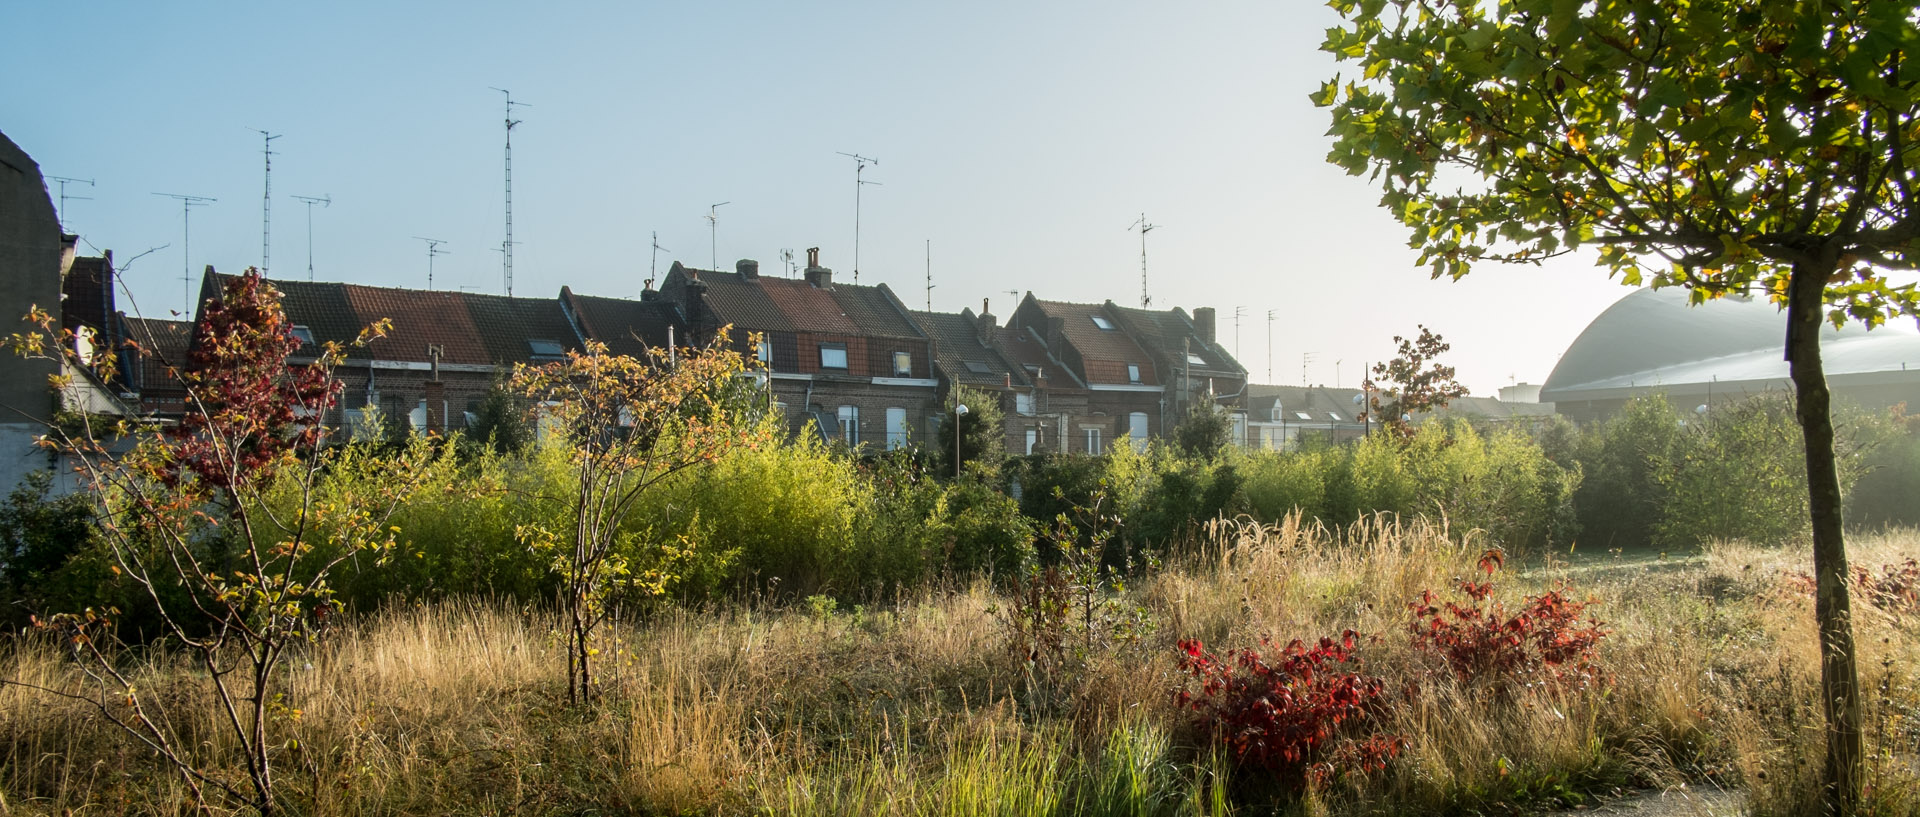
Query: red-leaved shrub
{"type": "Point", "coordinates": [1549, 639]}
{"type": "Point", "coordinates": [1299, 714]}
{"type": "Point", "coordinates": [1896, 590]}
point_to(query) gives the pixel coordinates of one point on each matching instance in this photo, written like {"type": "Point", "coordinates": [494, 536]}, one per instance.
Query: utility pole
{"type": "Point", "coordinates": [187, 203]}
{"type": "Point", "coordinates": [323, 201]}
{"type": "Point", "coordinates": [433, 249]}
{"type": "Point", "coordinates": [266, 201]}
{"type": "Point", "coordinates": [61, 214]}
{"type": "Point", "coordinates": [1144, 227]}
{"type": "Point", "coordinates": [506, 246]}
{"type": "Point", "coordinates": [713, 233]}
{"type": "Point", "coordinates": [859, 164]}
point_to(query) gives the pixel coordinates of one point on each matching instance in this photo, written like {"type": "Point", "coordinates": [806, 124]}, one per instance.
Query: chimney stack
{"type": "Point", "coordinates": [1203, 322]}
{"type": "Point", "coordinates": [984, 324]}
{"type": "Point", "coordinates": [818, 276]}
{"type": "Point", "coordinates": [749, 269]}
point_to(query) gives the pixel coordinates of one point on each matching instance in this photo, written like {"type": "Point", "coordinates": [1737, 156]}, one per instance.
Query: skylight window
{"type": "Point", "coordinates": [1303, 415]}
{"type": "Point", "coordinates": [1196, 359]}
{"type": "Point", "coordinates": [1104, 324]}
{"type": "Point", "coordinates": [1133, 373]}
{"type": "Point", "coordinates": [977, 367]}
{"type": "Point", "coordinates": [303, 334]}
{"type": "Point", "coordinates": [546, 348]}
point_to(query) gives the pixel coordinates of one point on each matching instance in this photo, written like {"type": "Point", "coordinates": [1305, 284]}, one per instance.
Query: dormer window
{"type": "Point", "coordinates": [833, 356]}
{"type": "Point", "coordinates": [902, 364]}
{"type": "Point", "coordinates": [1104, 324]}
{"type": "Point", "coordinates": [303, 334]}
{"type": "Point", "coordinates": [546, 349]}
{"type": "Point", "coordinates": [1133, 373]}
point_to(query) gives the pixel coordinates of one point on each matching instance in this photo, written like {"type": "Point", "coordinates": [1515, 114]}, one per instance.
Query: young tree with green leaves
{"type": "Point", "coordinates": [982, 438]}
{"type": "Point", "coordinates": [1728, 146]}
{"type": "Point", "coordinates": [233, 579]}
{"type": "Point", "coordinates": [629, 423]}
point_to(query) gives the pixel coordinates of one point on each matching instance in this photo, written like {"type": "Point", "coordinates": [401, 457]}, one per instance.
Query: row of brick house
{"type": "Point", "coordinates": [849, 361]}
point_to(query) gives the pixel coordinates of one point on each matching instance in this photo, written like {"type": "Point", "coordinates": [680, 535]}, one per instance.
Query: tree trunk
{"type": "Point", "coordinates": [1839, 680]}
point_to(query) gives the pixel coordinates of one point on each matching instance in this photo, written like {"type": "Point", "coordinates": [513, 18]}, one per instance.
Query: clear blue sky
{"type": "Point", "coordinates": [1020, 138]}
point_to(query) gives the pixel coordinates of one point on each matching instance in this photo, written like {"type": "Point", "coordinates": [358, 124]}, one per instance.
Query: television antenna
{"type": "Point", "coordinates": [859, 164]}
{"type": "Point", "coordinates": [786, 257]}
{"type": "Point", "coordinates": [1269, 346]}
{"type": "Point", "coordinates": [1306, 358]}
{"type": "Point", "coordinates": [266, 200]}
{"type": "Point", "coordinates": [1144, 227]}
{"type": "Point", "coordinates": [1237, 312]}
{"type": "Point", "coordinates": [506, 246]}
{"type": "Point", "coordinates": [433, 249]}
{"type": "Point", "coordinates": [713, 233]}
{"type": "Point", "coordinates": [929, 275]}
{"type": "Point", "coordinates": [61, 214]}
{"type": "Point", "coordinates": [653, 268]}
{"type": "Point", "coordinates": [323, 201]}
{"type": "Point", "coordinates": [187, 203]}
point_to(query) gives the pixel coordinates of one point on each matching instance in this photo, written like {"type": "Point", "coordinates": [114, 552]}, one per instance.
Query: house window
{"type": "Point", "coordinates": [546, 350]}
{"type": "Point", "coordinates": [303, 334]}
{"type": "Point", "coordinates": [766, 352]}
{"type": "Point", "coordinates": [896, 428]}
{"type": "Point", "coordinates": [850, 424]}
{"type": "Point", "coordinates": [1133, 373]}
{"type": "Point", "coordinates": [1023, 402]}
{"type": "Point", "coordinates": [833, 356]}
{"type": "Point", "coordinates": [1137, 430]}
{"type": "Point", "coordinates": [1033, 439]}
{"type": "Point", "coordinates": [1093, 440]}
{"type": "Point", "coordinates": [902, 364]}
{"type": "Point", "coordinates": [1104, 324]}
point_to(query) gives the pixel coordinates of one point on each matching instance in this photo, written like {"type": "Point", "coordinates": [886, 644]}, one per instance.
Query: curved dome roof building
{"type": "Point", "coordinates": [1652, 340]}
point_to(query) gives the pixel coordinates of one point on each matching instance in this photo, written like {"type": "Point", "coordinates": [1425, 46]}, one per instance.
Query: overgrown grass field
{"type": "Point", "coordinates": [917, 705]}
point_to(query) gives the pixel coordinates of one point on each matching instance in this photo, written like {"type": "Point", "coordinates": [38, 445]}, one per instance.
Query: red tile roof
{"type": "Point", "coordinates": [1105, 353]}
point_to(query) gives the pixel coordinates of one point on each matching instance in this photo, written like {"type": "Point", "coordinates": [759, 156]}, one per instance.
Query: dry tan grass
{"type": "Point", "coordinates": [917, 708]}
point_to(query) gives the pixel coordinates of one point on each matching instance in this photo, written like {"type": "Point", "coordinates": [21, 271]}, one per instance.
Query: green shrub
{"type": "Point", "coordinates": [1278, 483]}
{"type": "Point", "coordinates": [1622, 497]}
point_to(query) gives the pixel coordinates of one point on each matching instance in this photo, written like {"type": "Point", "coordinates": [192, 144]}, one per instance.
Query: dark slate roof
{"type": "Point", "coordinates": [165, 345]}
{"type": "Point", "coordinates": [507, 324]}
{"type": "Point", "coordinates": [961, 356]}
{"type": "Point", "coordinates": [86, 294]}
{"type": "Point", "coordinates": [1321, 404]}
{"type": "Point", "coordinates": [1025, 350]}
{"type": "Point", "coordinates": [627, 327]}
{"type": "Point", "coordinates": [741, 303]}
{"type": "Point", "coordinates": [1172, 333]}
{"type": "Point", "coordinates": [1104, 353]}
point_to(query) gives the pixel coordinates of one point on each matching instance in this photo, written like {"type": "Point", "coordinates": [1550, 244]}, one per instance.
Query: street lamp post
{"type": "Point", "coordinates": [959, 411]}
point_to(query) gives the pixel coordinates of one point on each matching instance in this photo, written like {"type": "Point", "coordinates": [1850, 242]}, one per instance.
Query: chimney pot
{"type": "Point", "coordinates": [1203, 322]}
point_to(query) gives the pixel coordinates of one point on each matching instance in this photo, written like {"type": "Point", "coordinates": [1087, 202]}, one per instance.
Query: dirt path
{"type": "Point", "coordinates": [1687, 802]}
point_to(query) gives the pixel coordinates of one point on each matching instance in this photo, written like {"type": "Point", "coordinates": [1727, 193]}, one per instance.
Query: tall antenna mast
{"type": "Point", "coordinates": [506, 246]}
{"type": "Point", "coordinates": [187, 203]}
{"type": "Point", "coordinates": [929, 275]}
{"type": "Point", "coordinates": [64, 181]}
{"type": "Point", "coordinates": [713, 233]}
{"type": "Point", "coordinates": [1144, 228]}
{"type": "Point", "coordinates": [1305, 358]}
{"type": "Point", "coordinates": [266, 201]}
{"type": "Point", "coordinates": [1269, 346]}
{"type": "Point", "coordinates": [323, 201]}
{"type": "Point", "coordinates": [859, 164]}
{"type": "Point", "coordinates": [433, 249]}
{"type": "Point", "coordinates": [1237, 312]}
{"type": "Point", "coordinates": [653, 269]}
